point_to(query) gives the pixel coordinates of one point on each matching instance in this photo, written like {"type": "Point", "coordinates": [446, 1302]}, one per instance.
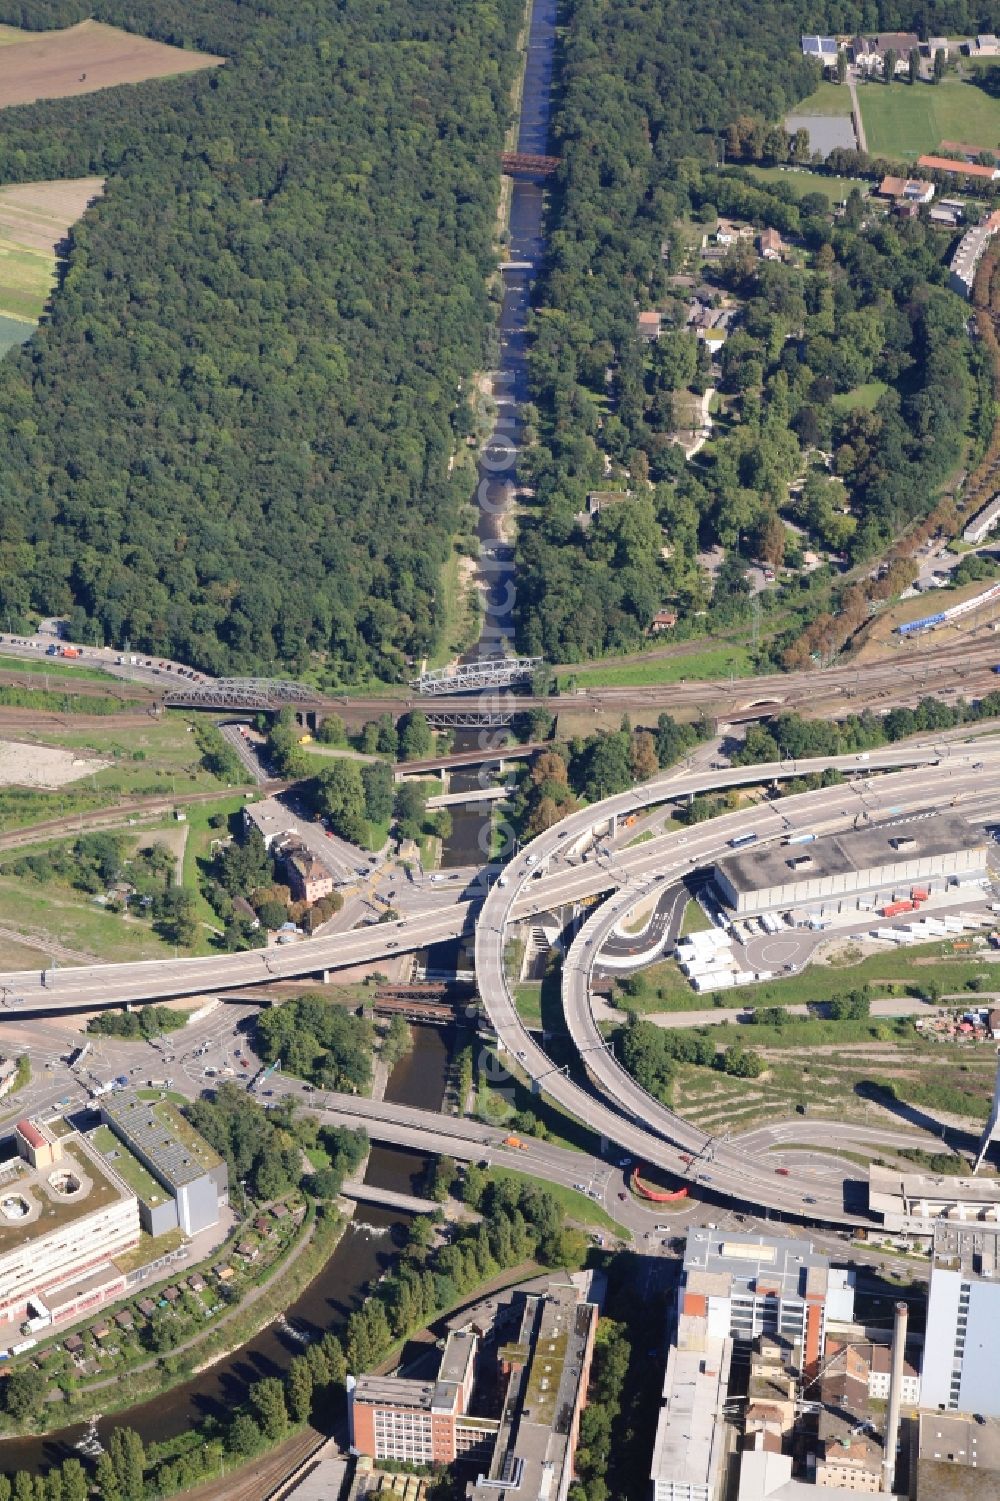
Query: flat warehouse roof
{"type": "Point", "coordinates": [890, 843]}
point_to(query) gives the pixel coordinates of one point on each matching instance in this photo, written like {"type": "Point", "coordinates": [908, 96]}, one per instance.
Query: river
{"type": "Point", "coordinates": [468, 843]}
{"type": "Point", "coordinates": [418, 1079]}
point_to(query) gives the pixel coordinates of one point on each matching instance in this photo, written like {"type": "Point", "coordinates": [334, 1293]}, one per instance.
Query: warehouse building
{"type": "Point", "coordinates": [861, 870]}
{"type": "Point", "coordinates": [64, 1216]}
{"type": "Point", "coordinates": [173, 1153]}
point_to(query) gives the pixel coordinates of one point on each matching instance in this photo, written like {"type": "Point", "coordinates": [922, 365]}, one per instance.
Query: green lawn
{"type": "Point", "coordinates": [158, 756]}
{"type": "Point", "coordinates": [694, 920]}
{"type": "Point", "coordinates": [52, 667]}
{"type": "Point", "coordinates": [69, 919]}
{"type": "Point", "coordinates": [664, 988]}
{"type": "Point", "coordinates": [829, 99]}
{"type": "Point", "coordinates": [576, 1205]}
{"type": "Point", "coordinates": [197, 852]}
{"type": "Point", "coordinates": [904, 121]}
{"type": "Point", "coordinates": [711, 662]}
{"type": "Point", "coordinates": [866, 396]}
{"type": "Point", "coordinates": [529, 1002]}
{"type": "Point", "coordinates": [803, 181]}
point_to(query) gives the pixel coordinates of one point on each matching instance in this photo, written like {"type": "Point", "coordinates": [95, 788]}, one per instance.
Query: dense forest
{"type": "Point", "coordinates": [230, 442]}
{"type": "Point", "coordinates": [650, 105]}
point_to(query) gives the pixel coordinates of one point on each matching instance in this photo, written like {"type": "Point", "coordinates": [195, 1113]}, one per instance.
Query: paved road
{"type": "Point", "coordinates": [630, 1116]}
{"type": "Point", "coordinates": [90, 985]}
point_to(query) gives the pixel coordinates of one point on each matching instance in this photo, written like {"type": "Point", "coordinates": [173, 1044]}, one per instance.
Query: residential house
{"type": "Point", "coordinates": [936, 44]}
{"type": "Point", "coordinates": [985, 45]}
{"type": "Point", "coordinates": [906, 190]}
{"type": "Point", "coordinates": [869, 52]}
{"type": "Point", "coordinates": [146, 1307]}
{"type": "Point", "coordinates": [308, 879]}
{"type": "Point", "coordinates": [771, 245]}
{"type": "Point", "coordinates": [663, 620]}
{"type": "Point", "coordinates": [124, 1319]}
{"type": "Point", "coordinates": [649, 325]}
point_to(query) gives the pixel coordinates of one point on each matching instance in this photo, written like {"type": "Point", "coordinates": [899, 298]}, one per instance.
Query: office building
{"type": "Point", "coordinates": [64, 1216]}
{"type": "Point", "coordinates": [963, 1320]}
{"type": "Point", "coordinates": [175, 1156]}
{"type": "Point", "coordinates": [421, 1422]}
{"type": "Point", "coordinates": [865, 869]}
{"type": "Point", "coordinates": [748, 1285]}
{"type": "Point", "coordinates": [545, 1366]}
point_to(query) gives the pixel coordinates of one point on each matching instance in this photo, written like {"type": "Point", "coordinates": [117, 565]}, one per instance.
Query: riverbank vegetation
{"type": "Point", "coordinates": [853, 300]}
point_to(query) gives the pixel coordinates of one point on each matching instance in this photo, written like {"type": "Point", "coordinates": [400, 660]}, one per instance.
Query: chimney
{"type": "Point", "coordinates": [895, 1396]}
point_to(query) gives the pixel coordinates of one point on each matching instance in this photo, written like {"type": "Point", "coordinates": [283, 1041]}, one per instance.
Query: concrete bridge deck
{"type": "Point", "coordinates": [387, 1198]}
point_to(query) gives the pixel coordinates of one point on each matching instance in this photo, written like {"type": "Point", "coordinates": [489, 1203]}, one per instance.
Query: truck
{"type": "Point", "coordinates": [514, 1141]}
{"type": "Point", "coordinates": [70, 651]}
{"type": "Point", "coordinates": [800, 838]}
{"type": "Point", "coordinates": [893, 909]}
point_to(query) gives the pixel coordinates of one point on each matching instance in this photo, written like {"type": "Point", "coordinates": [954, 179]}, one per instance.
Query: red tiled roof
{"type": "Point", "coordinates": [967, 169]}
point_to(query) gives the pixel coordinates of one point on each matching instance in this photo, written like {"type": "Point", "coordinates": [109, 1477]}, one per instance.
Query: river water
{"type": "Point", "coordinates": [468, 843]}
{"type": "Point", "coordinates": [418, 1079]}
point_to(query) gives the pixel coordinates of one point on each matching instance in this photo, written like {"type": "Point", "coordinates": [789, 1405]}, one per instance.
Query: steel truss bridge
{"type": "Point", "coordinates": [470, 719]}
{"type": "Point", "coordinates": [241, 693]}
{"type": "Point", "coordinates": [489, 672]}
{"type": "Point", "coordinates": [523, 161]}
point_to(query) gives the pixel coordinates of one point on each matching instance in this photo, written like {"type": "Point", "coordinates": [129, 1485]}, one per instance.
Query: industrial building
{"type": "Point", "coordinates": [861, 870]}
{"type": "Point", "coordinates": [748, 1285]}
{"type": "Point", "coordinates": [541, 1344]}
{"type": "Point", "coordinates": [175, 1156]}
{"type": "Point", "coordinates": [913, 1203]}
{"type": "Point", "coordinates": [64, 1216]}
{"type": "Point", "coordinates": [963, 1320]}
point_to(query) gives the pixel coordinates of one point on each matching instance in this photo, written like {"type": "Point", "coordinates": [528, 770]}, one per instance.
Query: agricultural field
{"type": "Point", "coordinates": [35, 218]}
{"type": "Point", "coordinates": [84, 58]}
{"type": "Point", "coordinates": [902, 121]}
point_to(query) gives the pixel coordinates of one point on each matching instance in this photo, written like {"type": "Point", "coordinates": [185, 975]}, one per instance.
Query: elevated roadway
{"type": "Point", "coordinates": [87, 986]}
{"type": "Point", "coordinates": [626, 1114]}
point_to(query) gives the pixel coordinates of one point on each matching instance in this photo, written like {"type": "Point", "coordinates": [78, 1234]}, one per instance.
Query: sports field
{"type": "Point", "coordinates": [35, 218]}
{"type": "Point", "coordinates": [83, 58]}
{"type": "Point", "coordinates": [903, 120]}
